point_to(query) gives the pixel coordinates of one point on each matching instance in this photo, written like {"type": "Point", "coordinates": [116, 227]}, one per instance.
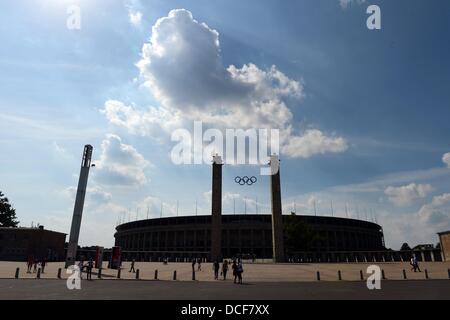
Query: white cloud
{"type": "Point", "coordinates": [95, 195]}
{"type": "Point", "coordinates": [134, 13]}
{"type": "Point", "coordinates": [313, 142]}
{"type": "Point", "coordinates": [408, 194]}
{"type": "Point", "coordinates": [135, 17]}
{"type": "Point", "coordinates": [437, 213]}
{"type": "Point", "coordinates": [182, 66]}
{"type": "Point", "coordinates": [446, 159]}
{"type": "Point", "coordinates": [120, 164]}
{"type": "Point", "coordinates": [148, 122]}
{"type": "Point", "coordinates": [152, 205]}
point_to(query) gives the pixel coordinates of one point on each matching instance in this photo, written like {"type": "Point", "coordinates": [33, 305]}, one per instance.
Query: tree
{"type": "Point", "coordinates": [7, 213]}
{"type": "Point", "coordinates": [405, 247]}
{"type": "Point", "coordinates": [298, 235]}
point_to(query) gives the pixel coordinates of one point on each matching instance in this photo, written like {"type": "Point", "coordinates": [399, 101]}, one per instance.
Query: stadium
{"type": "Point", "coordinates": [245, 235]}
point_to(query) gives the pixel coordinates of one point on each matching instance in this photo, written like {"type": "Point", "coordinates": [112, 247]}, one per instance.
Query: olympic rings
{"type": "Point", "coordinates": [245, 180]}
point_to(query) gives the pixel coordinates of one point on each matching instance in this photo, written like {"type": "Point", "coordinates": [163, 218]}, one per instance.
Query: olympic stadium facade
{"type": "Point", "coordinates": [243, 234]}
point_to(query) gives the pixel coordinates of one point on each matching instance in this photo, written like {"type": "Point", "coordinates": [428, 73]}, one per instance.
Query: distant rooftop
{"type": "Point", "coordinates": [39, 228]}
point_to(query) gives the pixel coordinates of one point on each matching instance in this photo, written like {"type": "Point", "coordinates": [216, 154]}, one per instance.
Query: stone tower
{"type": "Point", "coordinates": [277, 217]}
{"type": "Point", "coordinates": [216, 209]}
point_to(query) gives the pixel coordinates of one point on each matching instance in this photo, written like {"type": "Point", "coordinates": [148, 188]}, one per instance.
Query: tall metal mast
{"type": "Point", "coordinates": [78, 208]}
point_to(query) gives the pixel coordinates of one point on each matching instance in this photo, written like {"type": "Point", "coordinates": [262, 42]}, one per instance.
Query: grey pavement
{"type": "Point", "coordinates": [183, 290]}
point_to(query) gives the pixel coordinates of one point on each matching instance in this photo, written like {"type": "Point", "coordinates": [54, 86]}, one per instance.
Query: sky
{"type": "Point", "coordinates": [362, 114]}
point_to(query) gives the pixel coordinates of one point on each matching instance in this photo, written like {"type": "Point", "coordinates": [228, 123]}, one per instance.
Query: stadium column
{"type": "Point", "coordinates": [216, 209]}
{"type": "Point", "coordinates": [78, 208]}
{"type": "Point", "coordinates": [277, 214]}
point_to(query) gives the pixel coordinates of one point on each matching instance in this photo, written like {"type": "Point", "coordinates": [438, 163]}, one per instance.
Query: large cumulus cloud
{"type": "Point", "coordinates": [120, 164]}
{"type": "Point", "coordinates": [408, 194]}
{"type": "Point", "coordinates": [437, 212]}
{"type": "Point", "coordinates": [182, 66]}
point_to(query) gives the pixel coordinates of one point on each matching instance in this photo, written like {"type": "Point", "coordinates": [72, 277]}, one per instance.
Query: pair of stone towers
{"type": "Point", "coordinates": [216, 209]}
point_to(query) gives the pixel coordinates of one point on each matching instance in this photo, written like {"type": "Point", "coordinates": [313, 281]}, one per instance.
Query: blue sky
{"type": "Point", "coordinates": [365, 116]}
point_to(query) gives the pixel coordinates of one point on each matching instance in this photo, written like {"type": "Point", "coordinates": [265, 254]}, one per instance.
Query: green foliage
{"type": "Point", "coordinates": [298, 235]}
{"type": "Point", "coordinates": [7, 213]}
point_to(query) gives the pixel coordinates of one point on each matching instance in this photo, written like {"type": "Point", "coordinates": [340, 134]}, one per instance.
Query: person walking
{"type": "Point", "coordinates": [81, 267]}
{"type": "Point", "coordinates": [225, 269]}
{"type": "Point", "coordinates": [29, 264]}
{"type": "Point", "coordinates": [35, 265]}
{"type": "Point", "coordinates": [89, 267]}
{"type": "Point", "coordinates": [216, 267]}
{"type": "Point", "coordinates": [43, 264]}
{"type": "Point", "coordinates": [415, 264]}
{"type": "Point", "coordinates": [240, 271]}
{"type": "Point", "coordinates": [199, 262]}
{"type": "Point", "coordinates": [234, 269]}
{"type": "Point", "coordinates": [132, 266]}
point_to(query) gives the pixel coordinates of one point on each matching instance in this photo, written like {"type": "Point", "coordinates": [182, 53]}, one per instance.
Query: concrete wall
{"type": "Point", "coordinates": [444, 238]}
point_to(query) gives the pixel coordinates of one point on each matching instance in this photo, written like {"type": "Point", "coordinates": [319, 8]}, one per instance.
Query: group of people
{"type": "Point", "coordinates": [34, 264]}
{"type": "Point", "coordinates": [236, 267]}
{"type": "Point", "coordinates": [88, 267]}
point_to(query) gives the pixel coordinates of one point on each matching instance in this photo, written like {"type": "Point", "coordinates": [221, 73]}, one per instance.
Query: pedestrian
{"type": "Point", "coordinates": [35, 265]}
{"type": "Point", "coordinates": [89, 267]}
{"type": "Point", "coordinates": [415, 263]}
{"type": "Point", "coordinates": [199, 262]}
{"type": "Point", "coordinates": [132, 266]}
{"type": "Point", "coordinates": [216, 267]}
{"type": "Point", "coordinates": [234, 268]}
{"type": "Point", "coordinates": [225, 269]}
{"type": "Point", "coordinates": [240, 271]}
{"type": "Point", "coordinates": [29, 264]}
{"type": "Point", "coordinates": [81, 267]}
{"type": "Point", "coordinates": [43, 263]}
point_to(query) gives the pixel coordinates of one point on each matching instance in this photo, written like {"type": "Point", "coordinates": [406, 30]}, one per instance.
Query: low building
{"type": "Point", "coordinates": [17, 244]}
{"type": "Point", "coordinates": [427, 246]}
{"type": "Point", "coordinates": [444, 239]}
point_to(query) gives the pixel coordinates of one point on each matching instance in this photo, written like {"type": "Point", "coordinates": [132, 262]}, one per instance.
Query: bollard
{"type": "Point", "coordinates": [156, 274]}
{"type": "Point", "coordinates": [118, 273]}
{"type": "Point", "coordinates": [339, 275]}
{"type": "Point", "coordinates": [318, 276]}
{"type": "Point", "coordinates": [38, 275]}
{"type": "Point", "coordinates": [59, 273]}
{"type": "Point", "coordinates": [175, 275]}
{"type": "Point", "coordinates": [99, 275]}
{"type": "Point", "coordinates": [383, 276]}
{"type": "Point", "coordinates": [404, 274]}
{"type": "Point", "coordinates": [426, 274]}
{"type": "Point", "coordinates": [137, 274]}
{"type": "Point", "coordinates": [193, 275]}
{"type": "Point", "coordinates": [361, 275]}
{"type": "Point", "coordinates": [17, 273]}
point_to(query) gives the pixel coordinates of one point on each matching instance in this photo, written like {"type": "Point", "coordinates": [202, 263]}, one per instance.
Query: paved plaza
{"type": "Point", "coordinates": [171, 290]}
{"type": "Point", "coordinates": [258, 272]}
